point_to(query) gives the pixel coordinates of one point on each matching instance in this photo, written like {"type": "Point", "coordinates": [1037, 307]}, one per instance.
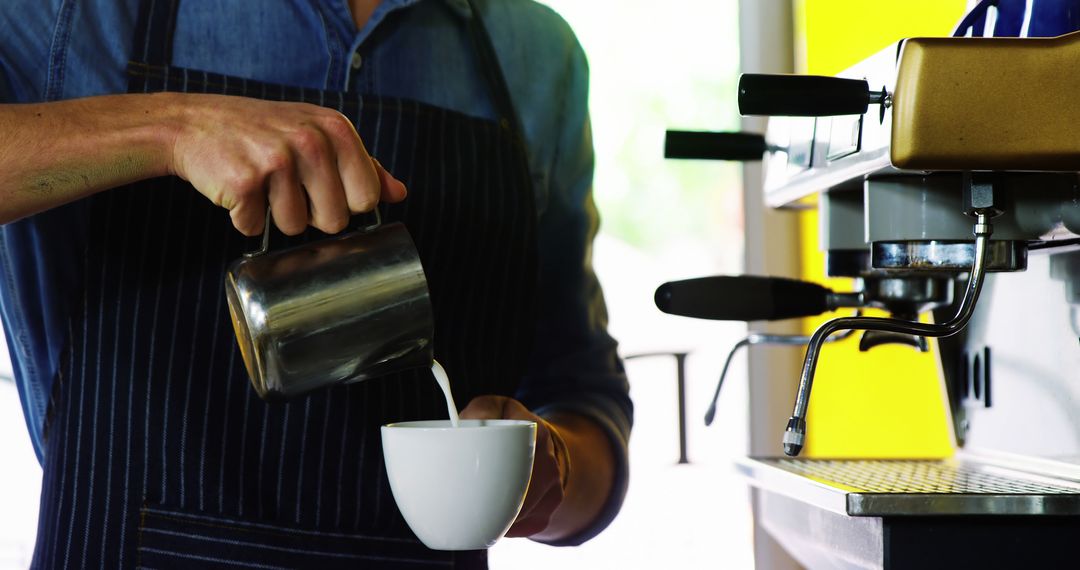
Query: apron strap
{"type": "Point", "coordinates": [489, 66]}
{"type": "Point", "coordinates": [153, 40]}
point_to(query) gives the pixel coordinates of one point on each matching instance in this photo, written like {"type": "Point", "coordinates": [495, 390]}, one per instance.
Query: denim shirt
{"type": "Point", "coordinates": [56, 49]}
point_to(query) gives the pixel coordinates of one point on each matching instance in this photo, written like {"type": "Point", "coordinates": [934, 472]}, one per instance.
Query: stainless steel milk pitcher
{"type": "Point", "coordinates": [342, 309]}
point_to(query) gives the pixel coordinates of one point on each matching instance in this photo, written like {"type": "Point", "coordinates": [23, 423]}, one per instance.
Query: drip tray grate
{"type": "Point", "coordinates": [915, 487]}
{"type": "Point", "coordinates": [902, 476]}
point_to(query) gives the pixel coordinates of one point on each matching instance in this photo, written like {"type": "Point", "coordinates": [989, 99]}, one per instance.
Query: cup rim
{"type": "Point", "coordinates": [464, 425]}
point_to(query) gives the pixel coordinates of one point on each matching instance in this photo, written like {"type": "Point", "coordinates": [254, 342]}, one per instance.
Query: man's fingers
{"type": "Point", "coordinates": [357, 172]}
{"type": "Point", "coordinates": [546, 483]}
{"type": "Point", "coordinates": [484, 408]}
{"type": "Point", "coordinates": [249, 216]}
{"type": "Point", "coordinates": [393, 190]}
{"type": "Point", "coordinates": [287, 203]}
{"type": "Point", "coordinates": [321, 181]}
{"type": "Point", "coordinates": [360, 179]}
{"type": "Point", "coordinates": [538, 517]}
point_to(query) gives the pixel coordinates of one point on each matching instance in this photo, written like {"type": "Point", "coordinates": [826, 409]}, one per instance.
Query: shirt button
{"type": "Point", "coordinates": [357, 61]}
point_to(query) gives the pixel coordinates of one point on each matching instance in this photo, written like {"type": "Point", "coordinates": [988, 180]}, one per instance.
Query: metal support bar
{"type": "Point", "coordinates": [680, 378]}
{"type": "Point", "coordinates": [680, 363]}
{"type": "Point", "coordinates": [753, 339]}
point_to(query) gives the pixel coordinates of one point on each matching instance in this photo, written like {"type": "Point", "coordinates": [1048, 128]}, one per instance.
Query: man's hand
{"type": "Point", "coordinates": [306, 161]}
{"type": "Point", "coordinates": [551, 466]}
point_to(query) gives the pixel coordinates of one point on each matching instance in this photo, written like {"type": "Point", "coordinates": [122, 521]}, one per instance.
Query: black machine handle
{"type": "Point", "coordinates": [804, 95]}
{"type": "Point", "coordinates": [742, 298]}
{"type": "Point", "coordinates": [714, 146]}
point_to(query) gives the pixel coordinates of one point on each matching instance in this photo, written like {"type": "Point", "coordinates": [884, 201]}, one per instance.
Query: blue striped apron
{"type": "Point", "coordinates": [158, 452]}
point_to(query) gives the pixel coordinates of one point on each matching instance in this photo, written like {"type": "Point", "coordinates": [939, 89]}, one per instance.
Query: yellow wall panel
{"type": "Point", "coordinates": [836, 34]}
{"type": "Point", "coordinates": [888, 402]}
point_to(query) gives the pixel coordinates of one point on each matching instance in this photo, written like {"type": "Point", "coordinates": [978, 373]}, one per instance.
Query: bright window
{"type": "Point", "coordinates": [658, 65]}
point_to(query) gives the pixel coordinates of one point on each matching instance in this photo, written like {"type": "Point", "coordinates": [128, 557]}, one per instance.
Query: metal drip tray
{"type": "Point", "coordinates": [875, 488]}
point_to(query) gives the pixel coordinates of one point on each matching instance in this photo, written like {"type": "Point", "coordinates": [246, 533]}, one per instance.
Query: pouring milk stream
{"type": "Point", "coordinates": [444, 383]}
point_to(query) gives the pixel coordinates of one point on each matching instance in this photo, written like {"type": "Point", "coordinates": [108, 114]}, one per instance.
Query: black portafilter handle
{"type": "Point", "coordinates": [714, 146]}
{"type": "Point", "coordinates": [804, 95]}
{"type": "Point", "coordinates": [742, 298]}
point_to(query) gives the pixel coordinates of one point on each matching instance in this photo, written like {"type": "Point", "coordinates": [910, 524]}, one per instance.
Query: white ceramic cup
{"type": "Point", "coordinates": [459, 488]}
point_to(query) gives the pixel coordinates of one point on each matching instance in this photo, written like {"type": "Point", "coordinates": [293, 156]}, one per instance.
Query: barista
{"type": "Point", "coordinates": [121, 212]}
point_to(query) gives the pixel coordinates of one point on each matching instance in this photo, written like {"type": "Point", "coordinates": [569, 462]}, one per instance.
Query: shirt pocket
{"type": "Point", "coordinates": [170, 538]}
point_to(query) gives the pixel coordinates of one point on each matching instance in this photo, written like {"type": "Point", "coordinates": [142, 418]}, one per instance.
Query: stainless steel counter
{"type": "Point", "coordinates": [882, 488]}
{"type": "Point", "coordinates": [964, 512]}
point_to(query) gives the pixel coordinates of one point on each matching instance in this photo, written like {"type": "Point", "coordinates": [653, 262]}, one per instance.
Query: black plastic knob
{"type": "Point", "coordinates": [714, 146]}
{"type": "Point", "coordinates": [742, 298]}
{"type": "Point", "coordinates": [802, 95]}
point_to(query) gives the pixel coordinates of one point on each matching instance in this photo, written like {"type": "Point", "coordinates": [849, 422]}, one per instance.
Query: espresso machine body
{"type": "Point", "coordinates": [946, 175]}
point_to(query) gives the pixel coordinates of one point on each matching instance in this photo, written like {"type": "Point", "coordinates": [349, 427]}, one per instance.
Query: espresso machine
{"type": "Point", "coordinates": [947, 175]}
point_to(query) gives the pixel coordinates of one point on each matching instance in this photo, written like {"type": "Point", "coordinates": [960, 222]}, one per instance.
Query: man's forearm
{"type": "Point", "coordinates": [304, 161]}
{"type": "Point", "coordinates": [54, 153]}
{"type": "Point", "coordinates": [592, 475]}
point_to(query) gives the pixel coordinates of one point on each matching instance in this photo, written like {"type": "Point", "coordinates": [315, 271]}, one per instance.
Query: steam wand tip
{"type": "Point", "coordinates": [794, 436]}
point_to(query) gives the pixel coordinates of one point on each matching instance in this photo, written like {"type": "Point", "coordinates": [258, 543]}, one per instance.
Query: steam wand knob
{"type": "Point", "coordinates": [781, 95]}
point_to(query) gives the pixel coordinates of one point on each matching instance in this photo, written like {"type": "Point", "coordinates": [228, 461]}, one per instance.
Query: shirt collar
{"type": "Point", "coordinates": [460, 7]}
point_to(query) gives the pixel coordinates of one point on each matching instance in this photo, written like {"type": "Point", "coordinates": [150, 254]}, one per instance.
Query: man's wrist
{"type": "Point", "coordinates": [589, 485]}
{"type": "Point", "coordinates": [562, 454]}
{"type": "Point", "coordinates": [168, 113]}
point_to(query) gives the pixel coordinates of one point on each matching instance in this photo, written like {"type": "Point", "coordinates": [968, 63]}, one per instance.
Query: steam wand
{"type": "Point", "coordinates": [795, 433]}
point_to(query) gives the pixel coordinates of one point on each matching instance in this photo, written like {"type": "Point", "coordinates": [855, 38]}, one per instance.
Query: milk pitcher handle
{"type": "Point", "coordinates": [265, 245]}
